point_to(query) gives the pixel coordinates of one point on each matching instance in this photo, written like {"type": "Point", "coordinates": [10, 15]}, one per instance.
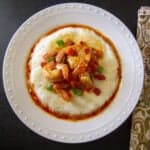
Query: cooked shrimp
{"type": "Point", "coordinates": [51, 65]}
{"type": "Point", "coordinates": [61, 92]}
{"type": "Point", "coordinates": [65, 70]}
{"type": "Point", "coordinates": [60, 56]}
{"type": "Point", "coordinates": [45, 56]}
{"type": "Point", "coordinates": [66, 95]}
{"type": "Point", "coordinates": [49, 54]}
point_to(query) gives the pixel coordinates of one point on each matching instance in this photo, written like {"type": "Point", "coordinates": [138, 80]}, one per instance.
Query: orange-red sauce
{"type": "Point", "coordinates": [68, 116]}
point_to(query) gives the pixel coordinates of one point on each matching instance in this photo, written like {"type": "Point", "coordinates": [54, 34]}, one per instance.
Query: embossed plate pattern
{"type": "Point", "coordinates": [14, 70]}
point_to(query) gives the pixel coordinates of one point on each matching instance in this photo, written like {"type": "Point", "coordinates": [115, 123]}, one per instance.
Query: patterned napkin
{"type": "Point", "coordinates": [140, 129]}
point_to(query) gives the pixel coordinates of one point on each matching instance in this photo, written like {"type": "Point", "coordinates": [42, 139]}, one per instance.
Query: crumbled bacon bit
{"type": "Point", "coordinates": [82, 43]}
{"type": "Point", "coordinates": [43, 64]}
{"type": "Point", "coordinates": [69, 42]}
{"type": "Point", "coordinates": [87, 50]}
{"type": "Point", "coordinates": [63, 85]}
{"type": "Point", "coordinates": [93, 63]}
{"type": "Point", "coordinates": [75, 84]}
{"type": "Point", "coordinates": [99, 76]}
{"type": "Point", "coordinates": [98, 53]}
{"type": "Point", "coordinates": [96, 91]}
{"type": "Point", "coordinates": [71, 52]}
{"type": "Point", "coordinates": [88, 89]}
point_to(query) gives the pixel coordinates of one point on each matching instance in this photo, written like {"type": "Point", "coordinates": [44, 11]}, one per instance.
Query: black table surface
{"type": "Point", "coordinates": [13, 134]}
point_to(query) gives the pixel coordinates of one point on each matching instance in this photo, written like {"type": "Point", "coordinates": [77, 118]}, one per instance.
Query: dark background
{"type": "Point", "coordinates": [13, 134]}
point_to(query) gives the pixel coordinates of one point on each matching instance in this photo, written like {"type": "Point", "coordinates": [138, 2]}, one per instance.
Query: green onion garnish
{"type": "Point", "coordinates": [77, 91]}
{"type": "Point", "coordinates": [51, 59]}
{"type": "Point", "coordinates": [60, 43]}
{"type": "Point", "coordinates": [49, 87]}
{"type": "Point", "coordinates": [100, 69]}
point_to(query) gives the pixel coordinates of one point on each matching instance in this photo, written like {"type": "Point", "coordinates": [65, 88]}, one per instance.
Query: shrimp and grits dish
{"type": "Point", "coordinates": [73, 72]}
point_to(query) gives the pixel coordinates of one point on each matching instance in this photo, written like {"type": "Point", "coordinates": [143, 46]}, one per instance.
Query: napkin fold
{"type": "Point", "coordinates": [140, 128]}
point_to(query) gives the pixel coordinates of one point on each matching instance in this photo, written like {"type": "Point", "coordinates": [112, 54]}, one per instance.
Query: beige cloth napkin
{"type": "Point", "coordinates": [140, 129]}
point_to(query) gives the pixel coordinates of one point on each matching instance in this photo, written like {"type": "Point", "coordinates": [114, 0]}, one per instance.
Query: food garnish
{"type": "Point", "coordinates": [49, 87]}
{"type": "Point", "coordinates": [60, 43]}
{"type": "Point", "coordinates": [72, 69]}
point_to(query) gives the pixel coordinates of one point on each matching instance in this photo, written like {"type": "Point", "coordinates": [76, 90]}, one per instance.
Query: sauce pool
{"type": "Point", "coordinates": [67, 116]}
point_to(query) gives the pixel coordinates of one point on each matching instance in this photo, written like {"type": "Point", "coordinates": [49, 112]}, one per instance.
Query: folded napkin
{"type": "Point", "coordinates": [140, 129]}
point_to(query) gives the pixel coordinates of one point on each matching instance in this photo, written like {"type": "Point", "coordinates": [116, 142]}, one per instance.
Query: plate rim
{"type": "Point", "coordinates": [70, 4]}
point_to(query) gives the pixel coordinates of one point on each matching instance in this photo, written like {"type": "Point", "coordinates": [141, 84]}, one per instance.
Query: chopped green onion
{"type": "Point", "coordinates": [51, 59]}
{"type": "Point", "coordinates": [77, 91]}
{"type": "Point", "coordinates": [60, 43]}
{"type": "Point", "coordinates": [49, 87]}
{"type": "Point", "coordinates": [100, 69]}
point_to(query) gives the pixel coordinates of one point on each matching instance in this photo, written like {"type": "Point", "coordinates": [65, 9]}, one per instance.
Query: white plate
{"type": "Point", "coordinates": [14, 76]}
